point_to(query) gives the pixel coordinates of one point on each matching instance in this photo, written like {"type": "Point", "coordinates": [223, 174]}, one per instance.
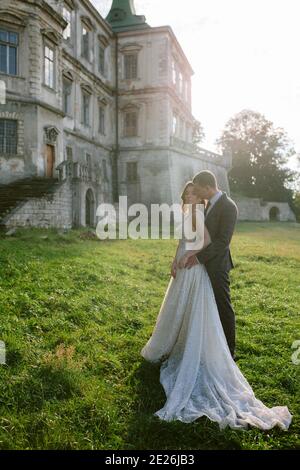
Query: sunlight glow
{"type": "Point", "coordinates": [245, 54]}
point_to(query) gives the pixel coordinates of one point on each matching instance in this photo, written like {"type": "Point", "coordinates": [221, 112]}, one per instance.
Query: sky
{"type": "Point", "coordinates": [244, 53]}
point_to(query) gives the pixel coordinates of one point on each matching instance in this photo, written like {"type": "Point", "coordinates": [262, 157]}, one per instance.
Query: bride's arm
{"type": "Point", "coordinates": [190, 253]}
{"type": "Point", "coordinates": [176, 251]}
{"type": "Point", "coordinates": [174, 262]}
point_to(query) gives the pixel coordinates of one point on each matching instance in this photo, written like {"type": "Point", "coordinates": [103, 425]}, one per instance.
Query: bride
{"type": "Point", "coordinates": [197, 372]}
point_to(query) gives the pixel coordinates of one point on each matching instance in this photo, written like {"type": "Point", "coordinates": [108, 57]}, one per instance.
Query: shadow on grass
{"type": "Point", "coordinates": [146, 431]}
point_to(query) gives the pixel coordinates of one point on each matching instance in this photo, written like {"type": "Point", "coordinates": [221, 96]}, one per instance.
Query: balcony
{"type": "Point", "coordinates": [224, 160]}
{"type": "Point", "coordinates": [79, 171]}
{"type": "Point", "coordinates": [182, 144]}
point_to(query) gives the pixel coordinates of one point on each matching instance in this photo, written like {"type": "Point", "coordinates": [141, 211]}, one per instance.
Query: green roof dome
{"type": "Point", "coordinates": [122, 17]}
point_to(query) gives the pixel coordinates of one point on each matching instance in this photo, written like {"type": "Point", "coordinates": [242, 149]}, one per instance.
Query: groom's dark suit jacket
{"type": "Point", "coordinates": [220, 222]}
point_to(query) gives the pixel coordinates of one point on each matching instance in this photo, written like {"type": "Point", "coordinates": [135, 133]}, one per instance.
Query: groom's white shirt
{"type": "Point", "coordinates": [213, 200]}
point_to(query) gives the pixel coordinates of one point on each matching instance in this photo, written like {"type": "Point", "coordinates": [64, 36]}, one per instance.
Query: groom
{"type": "Point", "coordinates": [220, 219]}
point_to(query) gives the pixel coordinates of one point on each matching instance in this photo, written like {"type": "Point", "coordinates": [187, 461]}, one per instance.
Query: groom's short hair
{"type": "Point", "coordinates": [205, 178]}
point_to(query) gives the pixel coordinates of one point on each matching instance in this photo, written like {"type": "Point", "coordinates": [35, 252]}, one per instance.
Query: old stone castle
{"type": "Point", "coordinates": [93, 109]}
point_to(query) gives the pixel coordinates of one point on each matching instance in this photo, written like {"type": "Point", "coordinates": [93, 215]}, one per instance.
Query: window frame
{"type": "Point", "coordinates": [174, 73]}
{"type": "Point", "coordinates": [135, 67]}
{"type": "Point", "coordinates": [102, 48]}
{"type": "Point", "coordinates": [180, 83]}
{"type": "Point", "coordinates": [130, 130]}
{"type": "Point", "coordinates": [175, 124]}
{"type": "Point", "coordinates": [9, 45]}
{"type": "Point", "coordinates": [69, 82]}
{"type": "Point", "coordinates": [52, 48]}
{"type": "Point", "coordinates": [70, 25]}
{"type": "Point", "coordinates": [3, 150]}
{"type": "Point", "coordinates": [105, 172]}
{"type": "Point", "coordinates": [69, 153]}
{"type": "Point", "coordinates": [131, 176]}
{"type": "Point", "coordinates": [101, 114]}
{"type": "Point", "coordinates": [84, 26]}
{"type": "Point", "coordinates": [85, 94]}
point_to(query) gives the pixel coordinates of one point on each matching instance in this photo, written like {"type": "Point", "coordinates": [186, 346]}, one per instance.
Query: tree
{"type": "Point", "coordinates": [296, 205]}
{"type": "Point", "coordinates": [259, 155]}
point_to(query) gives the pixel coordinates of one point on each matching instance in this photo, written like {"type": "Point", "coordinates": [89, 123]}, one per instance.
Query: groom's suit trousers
{"type": "Point", "coordinates": [221, 286]}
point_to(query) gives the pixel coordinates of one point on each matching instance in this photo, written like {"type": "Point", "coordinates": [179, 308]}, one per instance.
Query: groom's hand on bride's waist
{"type": "Point", "coordinates": [192, 261]}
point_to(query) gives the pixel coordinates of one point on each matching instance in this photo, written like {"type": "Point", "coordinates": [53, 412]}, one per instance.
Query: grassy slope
{"type": "Point", "coordinates": [75, 315]}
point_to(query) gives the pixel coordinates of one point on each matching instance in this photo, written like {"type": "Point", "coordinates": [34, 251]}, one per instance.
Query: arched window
{"type": "Point", "coordinates": [89, 208]}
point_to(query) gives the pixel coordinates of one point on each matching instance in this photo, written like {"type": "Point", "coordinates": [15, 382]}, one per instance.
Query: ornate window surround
{"type": "Point", "coordinates": [68, 74]}
{"type": "Point", "coordinates": [50, 134]}
{"type": "Point", "coordinates": [13, 18]}
{"type": "Point", "coordinates": [103, 40]}
{"type": "Point", "coordinates": [130, 49]}
{"type": "Point", "coordinates": [51, 35]}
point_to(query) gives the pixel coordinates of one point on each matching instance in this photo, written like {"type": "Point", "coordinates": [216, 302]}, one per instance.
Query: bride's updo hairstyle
{"type": "Point", "coordinates": [187, 185]}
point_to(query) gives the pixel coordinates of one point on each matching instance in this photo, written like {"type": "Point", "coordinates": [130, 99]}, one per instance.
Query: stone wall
{"type": "Point", "coordinates": [162, 174]}
{"type": "Point", "coordinates": [254, 209]}
{"type": "Point", "coordinates": [53, 210]}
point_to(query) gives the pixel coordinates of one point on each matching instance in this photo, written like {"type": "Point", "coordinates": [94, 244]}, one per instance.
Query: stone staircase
{"type": "Point", "coordinates": [18, 192]}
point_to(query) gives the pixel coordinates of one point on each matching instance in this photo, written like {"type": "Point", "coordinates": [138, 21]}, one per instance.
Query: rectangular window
{"type": "Point", "coordinates": [180, 83]}
{"type": "Point", "coordinates": [67, 89]}
{"type": "Point", "coordinates": [67, 15]}
{"type": "Point", "coordinates": [131, 66]}
{"type": "Point", "coordinates": [174, 73]}
{"type": "Point", "coordinates": [131, 124]}
{"type": "Point", "coordinates": [8, 136]}
{"type": "Point", "coordinates": [105, 176]}
{"type": "Point", "coordinates": [85, 42]}
{"type": "Point", "coordinates": [186, 91]}
{"type": "Point", "coordinates": [132, 172]}
{"type": "Point", "coordinates": [8, 52]}
{"type": "Point", "coordinates": [175, 124]}
{"type": "Point", "coordinates": [101, 59]}
{"type": "Point", "coordinates": [49, 66]}
{"type": "Point", "coordinates": [85, 109]}
{"type": "Point", "coordinates": [69, 154]}
{"type": "Point", "coordinates": [101, 120]}
{"type": "Point", "coordinates": [88, 159]}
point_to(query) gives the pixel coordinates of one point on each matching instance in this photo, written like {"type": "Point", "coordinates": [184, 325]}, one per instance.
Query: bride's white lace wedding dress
{"type": "Point", "coordinates": [197, 371]}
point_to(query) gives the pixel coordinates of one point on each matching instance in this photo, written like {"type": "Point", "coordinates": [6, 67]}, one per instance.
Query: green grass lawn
{"type": "Point", "coordinates": [75, 314]}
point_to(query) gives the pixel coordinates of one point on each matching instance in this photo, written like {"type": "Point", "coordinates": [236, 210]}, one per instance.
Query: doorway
{"type": "Point", "coordinates": [274, 214]}
{"type": "Point", "coordinates": [50, 159]}
{"type": "Point", "coordinates": [89, 208]}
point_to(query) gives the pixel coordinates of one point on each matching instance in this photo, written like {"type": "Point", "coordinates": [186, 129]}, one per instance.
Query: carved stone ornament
{"type": "Point", "coordinates": [13, 17]}
{"type": "Point", "coordinates": [51, 133]}
{"type": "Point", "coordinates": [52, 35]}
